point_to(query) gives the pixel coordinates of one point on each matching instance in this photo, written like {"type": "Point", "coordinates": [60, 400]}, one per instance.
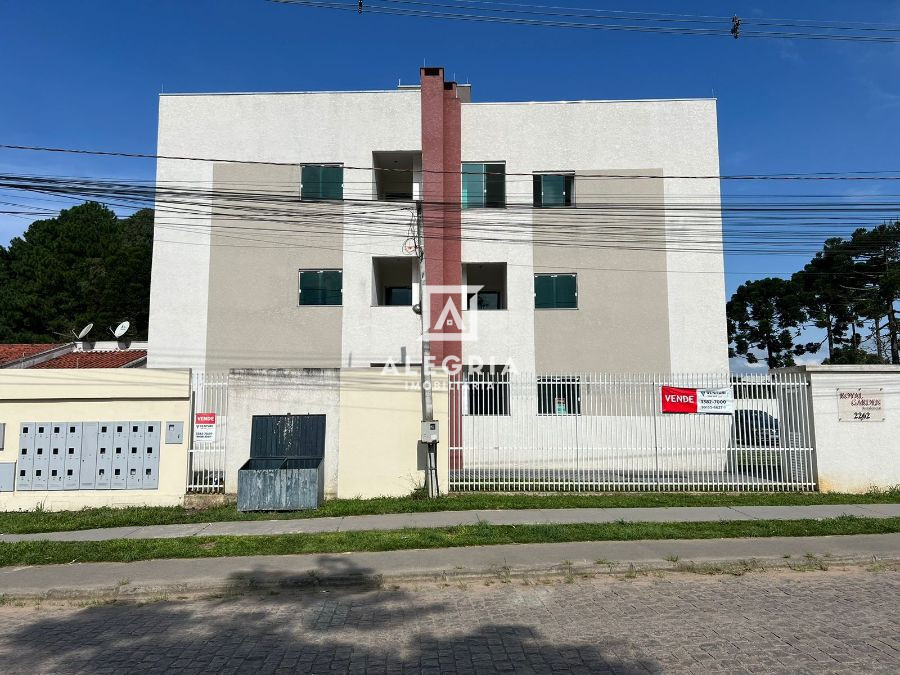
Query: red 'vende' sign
{"type": "Point", "coordinates": [679, 400]}
{"type": "Point", "coordinates": [205, 418]}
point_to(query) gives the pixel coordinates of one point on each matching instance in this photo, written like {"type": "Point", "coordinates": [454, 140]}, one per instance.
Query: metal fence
{"type": "Point", "coordinates": [206, 459]}
{"type": "Point", "coordinates": [607, 432]}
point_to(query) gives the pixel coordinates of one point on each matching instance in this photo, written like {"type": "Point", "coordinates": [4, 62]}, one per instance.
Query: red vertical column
{"type": "Point", "coordinates": [441, 157]}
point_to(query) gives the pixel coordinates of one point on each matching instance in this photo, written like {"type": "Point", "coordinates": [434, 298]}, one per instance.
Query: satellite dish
{"type": "Point", "coordinates": [84, 331]}
{"type": "Point", "coordinates": [121, 329]}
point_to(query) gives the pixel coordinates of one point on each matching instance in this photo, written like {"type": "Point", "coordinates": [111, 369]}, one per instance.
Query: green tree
{"type": "Point", "coordinates": [767, 315]}
{"type": "Point", "coordinates": [824, 297]}
{"type": "Point", "coordinates": [84, 266]}
{"type": "Point", "coordinates": [876, 284]}
{"type": "Point", "coordinates": [851, 355]}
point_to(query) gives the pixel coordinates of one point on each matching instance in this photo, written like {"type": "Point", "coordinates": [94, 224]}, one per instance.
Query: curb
{"type": "Point", "coordinates": [568, 571]}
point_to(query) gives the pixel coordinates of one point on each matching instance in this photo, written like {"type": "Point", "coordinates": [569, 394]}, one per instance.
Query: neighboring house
{"type": "Point", "coordinates": [11, 355]}
{"type": "Point", "coordinates": [74, 355]}
{"type": "Point", "coordinates": [595, 246]}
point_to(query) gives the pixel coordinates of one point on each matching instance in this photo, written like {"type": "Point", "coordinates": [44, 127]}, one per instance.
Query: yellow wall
{"type": "Point", "coordinates": [380, 424]}
{"type": "Point", "coordinates": [93, 395]}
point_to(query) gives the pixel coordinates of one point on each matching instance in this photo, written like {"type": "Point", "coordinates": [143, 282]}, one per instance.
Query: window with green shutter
{"type": "Point", "coordinates": [555, 291]}
{"type": "Point", "coordinates": [321, 287]}
{"type": "Point", "coordinates": [483, 185]}
{"type": "Point", "coordinates": [321, 182]}
{"type": "Point", "coordinates": [553, 190]}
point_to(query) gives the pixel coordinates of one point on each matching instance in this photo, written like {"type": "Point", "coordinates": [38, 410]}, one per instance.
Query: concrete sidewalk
{"type": "Point", "coordinates": [216, 575]}
{"type": "Point", "coordinates": [450, 518]}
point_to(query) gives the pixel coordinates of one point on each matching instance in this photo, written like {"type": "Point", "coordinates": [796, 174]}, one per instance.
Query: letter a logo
{"type": "Point", "coordinates": [449, 325]}
{"type": "Point", "coordinates": [449, 317]}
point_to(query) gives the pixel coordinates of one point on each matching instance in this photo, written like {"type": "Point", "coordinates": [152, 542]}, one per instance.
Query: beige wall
{"type": "Point", "coordinates": [622, 320]}
{"type": "Point", "coordinates": [90, 396]}
{"type": "Point", "coordinates": [254, 316]}
{"type": "Point", "coordinates": [379, 429]}
{"type": "Point", "coordinates": [372, 424]}
{"type": "Point", "coordinates": [281, 392]}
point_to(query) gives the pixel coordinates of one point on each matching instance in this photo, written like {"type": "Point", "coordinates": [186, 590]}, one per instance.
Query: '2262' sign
{"type": "Point", "coordinates": [860, 405]}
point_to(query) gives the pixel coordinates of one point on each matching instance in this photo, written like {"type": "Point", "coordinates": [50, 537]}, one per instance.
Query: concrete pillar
{"type": "Point", "coordinates": [441, 156]}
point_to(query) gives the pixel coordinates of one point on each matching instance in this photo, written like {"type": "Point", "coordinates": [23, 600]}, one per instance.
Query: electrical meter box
{"type": "Point", "coordinates": [430, 432]}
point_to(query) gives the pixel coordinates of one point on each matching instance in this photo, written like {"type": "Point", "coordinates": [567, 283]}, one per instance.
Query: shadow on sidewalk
{"type": "Point", "coordinates": [305, 623]}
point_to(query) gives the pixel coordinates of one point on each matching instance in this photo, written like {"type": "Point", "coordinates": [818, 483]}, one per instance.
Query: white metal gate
{"type": "Point", "coordinates": [602, 432]}
{"type": "Point", "coordinates": [206, 459]}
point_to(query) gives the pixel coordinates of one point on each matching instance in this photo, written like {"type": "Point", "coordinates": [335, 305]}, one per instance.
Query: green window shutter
{"type": "Point", "coordinates": [495, 185]}
{"type": "Point", "coordinates": [322, 182]}
{"type": "Point", "coordinates": [544, 291]}
{"type": "Point", "coordinates": [472, 185]}
{"type": "Point", "coordinates": [311, 182]}
{"type": "Point", "coordinates": [553, 191]}
{"type": "Point", "coordinates": [555, 291]}
{"type": "Point", "coordinates": [333, 281]}
{"type": "Point", "coordinates": [310, 288]}
{"type": "Point", "coordinates": [332, 182]}
{"type": "Point", "coordinates": [566, 291]}
{"type": "Point", "coordinates": [321, 287]}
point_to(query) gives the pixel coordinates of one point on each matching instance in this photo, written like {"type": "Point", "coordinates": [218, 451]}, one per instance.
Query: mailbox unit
{"type": "Point", "coordinates": [88, 456]}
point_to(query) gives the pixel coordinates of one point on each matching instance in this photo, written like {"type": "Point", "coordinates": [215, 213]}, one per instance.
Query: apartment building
{"type": "Point", "coordinates": [582, 231]}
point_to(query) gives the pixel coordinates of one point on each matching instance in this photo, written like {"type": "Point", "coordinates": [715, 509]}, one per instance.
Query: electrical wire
{"type": "Point", "coordinates": [619, 226]}
{"type": "Point", "coordinates": [543, 16]}
{"type": "Point", "coordinates": [821, 175]}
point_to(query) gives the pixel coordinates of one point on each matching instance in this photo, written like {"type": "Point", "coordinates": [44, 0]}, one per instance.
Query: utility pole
{"type": "Point", "coordinates": [431, 474]}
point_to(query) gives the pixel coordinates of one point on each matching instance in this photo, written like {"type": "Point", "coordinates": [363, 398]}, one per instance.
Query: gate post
{"type": "Point", "coordinates": [854, 424]}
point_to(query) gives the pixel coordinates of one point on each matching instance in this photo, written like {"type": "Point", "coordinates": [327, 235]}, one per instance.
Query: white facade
{"type": "Point", "coordinates": [666, 138]}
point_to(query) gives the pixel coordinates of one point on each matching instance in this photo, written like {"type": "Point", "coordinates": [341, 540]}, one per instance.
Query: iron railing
{"type": "Point", "coordinates": [206, 459]}
{"type": "Point", "coordinates": [607, 432]}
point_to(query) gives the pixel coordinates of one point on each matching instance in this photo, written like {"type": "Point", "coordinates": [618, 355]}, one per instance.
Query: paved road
{"type": "Point", "coordinates": [835, 621]}
{"type": "Point", "coordinates": [396, 521]}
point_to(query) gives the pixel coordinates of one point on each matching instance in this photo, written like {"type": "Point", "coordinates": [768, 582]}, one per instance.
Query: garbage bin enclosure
{"type": "Point", "coordinates": [280, 484]}
{"type": "Point", "coordinates": [285, 469]}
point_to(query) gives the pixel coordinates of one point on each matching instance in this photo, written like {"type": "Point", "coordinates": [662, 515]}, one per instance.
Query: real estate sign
{"type": "Point", "coordinates": [709, 401]}
{"type": "Point", "coordinates": [205, 426]}
{"type": "Point", "coordinates": [860, 405]}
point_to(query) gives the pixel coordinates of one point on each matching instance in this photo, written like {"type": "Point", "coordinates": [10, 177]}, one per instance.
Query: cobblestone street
{"type": "Point", "coordinates": [841, 620]}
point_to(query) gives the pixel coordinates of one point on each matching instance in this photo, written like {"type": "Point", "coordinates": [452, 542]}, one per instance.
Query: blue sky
{"type": "Point", "coordinates": [87, 74]}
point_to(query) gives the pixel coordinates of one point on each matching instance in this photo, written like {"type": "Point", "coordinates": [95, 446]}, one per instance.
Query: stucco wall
{"type": "Point", "coordinates": [91, 396]}
{"type": "Point", "coordinates": [853, 456]}
{"type": "Point", "coordinates": [281, 392]}
{"type": "Point", "coordinates": [616, 246]}
{"type": "Point", "coordinates": [262, 237]}
{"type": "Point", "coordinates": [379, 428]}
{"type": "Point", "coordinates": [371, 430]}
{"type": "Point", "coordinates": [670, 138]}
{"type": "Point", "coordinates": [290, 128]}
{"type": "Point", "coordinates": [200, 294]}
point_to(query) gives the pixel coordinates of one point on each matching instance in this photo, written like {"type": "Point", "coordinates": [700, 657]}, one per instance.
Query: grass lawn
{"type": "Point", "coordinates": [128, 550]}
{"type": "Point", "coordinates": [23, 522]}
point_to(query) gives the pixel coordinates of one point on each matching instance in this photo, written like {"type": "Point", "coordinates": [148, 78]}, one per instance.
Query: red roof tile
{"type": "Point", "coordinates": [99, 359]}
{"type": "Point", "coordinates": [14, 352]}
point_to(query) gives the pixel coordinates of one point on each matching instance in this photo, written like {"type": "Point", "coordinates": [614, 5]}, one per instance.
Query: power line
{"type": "Point", "coordinates": [708, 17]}
{"type": "Point", "coordinates": [543, 16]}
{"type": "Point", "coordinates": [826, 175]}
{"type": "Point", "coordinates": [613, 227]}
{"type": "Point", "coordinates": [247, 240]}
